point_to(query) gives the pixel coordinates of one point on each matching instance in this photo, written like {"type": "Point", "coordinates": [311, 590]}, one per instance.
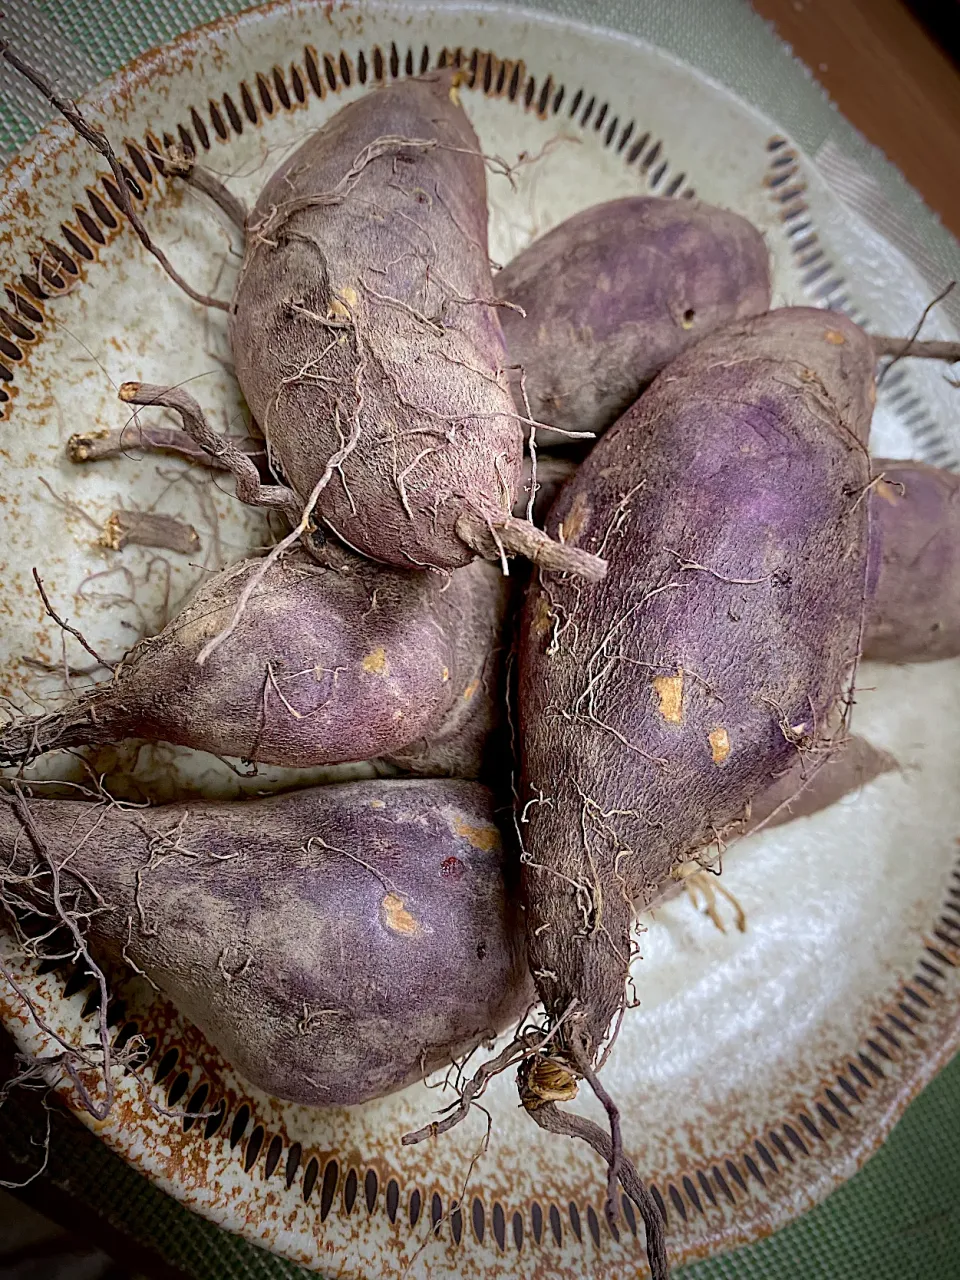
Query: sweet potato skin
{"type": "Point", "coordinates": [654, 706]}
{"type": "Point", "coordinates": [612, 294]}
{"type": "Point", "coordinates": [913, 579]}
{"type": "Point", "coordinates": [914, 602]}
{"type": "Point", "coordinates": [329, 663]}
{"type": "Point", "coordinates": [334, 943]}
{"type": "Point", "coordinates": [376, 295]}
{"type": "Point", "coordinates": [467, 741]}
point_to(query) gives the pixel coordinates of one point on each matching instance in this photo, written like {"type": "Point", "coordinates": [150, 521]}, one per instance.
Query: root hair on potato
{"type": "Point", "coordinates": [31, 1073]}
{"type": "Point", "coordinates": [183, 165]}
{"type": "Point", "coordinates": [71, 507]}
{"type": "Point", "coordinates": [550, 1117]}
{"type": "Point", "coordinates": [388, 884]}
{"type": "Point", "coordinates": [296, 533]}
{"type": "Point", "coordinates": [250, 488]}
{"type": "Point", "coordinates": [65, 626]}
{"type": "Point", "coordinates": [540, 1076]}
{"type": "Point", "coordinates": [74, 1060]}
{"type": "Point", "coordinates": [687, 566]}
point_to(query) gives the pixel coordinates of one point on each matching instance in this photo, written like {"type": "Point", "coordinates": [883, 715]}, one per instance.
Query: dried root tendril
{"type": "Point", "coordinates": [95, 135]}
{"type": "Point", "coordinates": [74, 1059]}
{"type": "Point", "coordinates": [551, 1119]}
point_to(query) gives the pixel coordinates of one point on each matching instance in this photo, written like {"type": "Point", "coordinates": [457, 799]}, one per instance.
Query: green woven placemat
{"type": "Point", "coordinates": [899, 1218]}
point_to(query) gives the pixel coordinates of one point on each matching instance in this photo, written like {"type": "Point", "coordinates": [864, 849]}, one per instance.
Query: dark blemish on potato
{"type": "Point", "coordinates": [451, 869]}
{"type": "Point", "coordinates": [686, 321]}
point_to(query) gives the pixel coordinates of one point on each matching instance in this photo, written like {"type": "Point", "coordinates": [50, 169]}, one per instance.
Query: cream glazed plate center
{"type": "Point", "coordinates": [761, 1068]}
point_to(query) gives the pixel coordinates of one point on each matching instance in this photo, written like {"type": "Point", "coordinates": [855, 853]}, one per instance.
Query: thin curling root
{"type": "Point", "coordinates": [519, 537]}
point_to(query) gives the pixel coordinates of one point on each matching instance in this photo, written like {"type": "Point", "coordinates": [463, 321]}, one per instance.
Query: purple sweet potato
{"type": "Point", "coordinates": [914, 565]}
{"type": "Point", "coordinates": [364, 325]}
{"type": "Point", "coordinates": [914, 599]}
{"type": "Point", "coordinates": [335, 944]}
{"type": "Point", "coordinates": [614, 293]}
{"type": "Point", "coordinates": [329, 662]}
{"type": "Point", "coordinates": [654, 706]}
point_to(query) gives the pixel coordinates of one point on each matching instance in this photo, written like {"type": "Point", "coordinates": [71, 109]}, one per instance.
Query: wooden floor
{"type": "Point", "coordinates": [890, 79]}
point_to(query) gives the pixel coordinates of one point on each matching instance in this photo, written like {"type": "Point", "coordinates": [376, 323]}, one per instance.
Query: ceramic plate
{"type": "Point", "coordinates": [761, 1069]}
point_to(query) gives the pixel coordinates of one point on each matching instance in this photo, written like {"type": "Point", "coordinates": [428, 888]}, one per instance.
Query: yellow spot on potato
{"type": "Point", "coordinates": [485, 837]}
{"type": "Point", "coordinates": [719, 744]}
{"type": "Point", "coordinates": [669, 689]}
{"type": "Point", "coordinates": [455, 84]}
{"type": "Point", "coordinates": [834, 337]}
{"type": "Point", "coordinates": [375, 663]}
{"type": "Point", "coordinates": [445, 674]}
{"type": "Point", "coordinates": [398, 918]}
{"type": "Point", "coordinates": [578, 517]}
{"type": "Point", "coordinates": [542, 618]}
{"type": "Point", "coordinates": [470, 690]}
{"type": "Point", "coordinates": [378, 804]}
{"type": "Point", "coordinates": [345, 299]}
{"type": "Point", "coordinates": [887, 492]}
